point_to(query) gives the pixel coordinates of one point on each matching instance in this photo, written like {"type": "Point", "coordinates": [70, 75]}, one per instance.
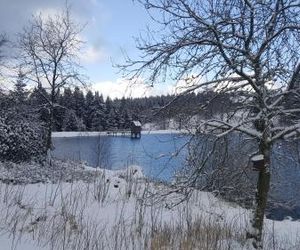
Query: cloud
{"type": "Point", "coordinates": [93, 54]}
{"type": "Point", "coordinates": [124, 88]}
{"type": "Point", "coordinates": [45, 13]}
{"type": "Point", "coordinates": [15, 13]}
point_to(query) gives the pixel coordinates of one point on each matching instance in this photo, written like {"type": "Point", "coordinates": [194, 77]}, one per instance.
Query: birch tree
{"type": "Point", "coordinates": [49, 55]}
{"type": "Point", "coordinates": [247, 47]}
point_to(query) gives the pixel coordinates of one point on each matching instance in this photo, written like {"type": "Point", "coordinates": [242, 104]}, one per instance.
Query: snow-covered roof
{"type": "Point", "coordinates": [257, 157]}
{"type": "Point", "coordinates": [137, 123]}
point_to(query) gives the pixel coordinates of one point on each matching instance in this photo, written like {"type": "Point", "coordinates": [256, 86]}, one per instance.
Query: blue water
{"type": "Point", "coordinates": [155, 153]}
{"type": "Point", "coordinates": [161, 155]}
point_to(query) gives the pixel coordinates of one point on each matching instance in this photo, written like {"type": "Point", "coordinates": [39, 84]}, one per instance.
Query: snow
{"type": "Point", "coordinates": [166, 131]}
{"type": "Point", "coordinates": [6, 243]}
{"type": "Point", "coordinates": [112, 208]}
{"type": "Point", "coordinates": [77, 133]}
{"type": "Point", "coordinates": [259, 157]}
{"type": "Point", "coordinates": [137, 123]}
{"type": "Point", "coordinates": [90, 133]}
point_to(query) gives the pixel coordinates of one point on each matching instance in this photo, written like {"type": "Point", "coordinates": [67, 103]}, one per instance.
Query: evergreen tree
{"type": "Point", "coordinates": [89, 109]}
{"type": "Point", "coordinates": [79, 102]}
{"type": "Point", "coordinates": [72, 122]}
{"type": "Point", "coordinates": [19, 93]}
{"type": "Point", "coordinates": [38, 102]}
{"type": "Point", "coordinates": [67, 100]}
{"type": "Point", "coordinates": [99, 121]}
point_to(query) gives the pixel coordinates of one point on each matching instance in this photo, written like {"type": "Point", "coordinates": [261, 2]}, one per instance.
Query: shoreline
{"type": "Point", "coordinates": [104, 133]}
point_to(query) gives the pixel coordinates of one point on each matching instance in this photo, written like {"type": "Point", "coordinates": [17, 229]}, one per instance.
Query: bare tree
{"type": "Point", "coordinates": [242, 46]}
{"type": "Point", "coordinates": [49, 55]}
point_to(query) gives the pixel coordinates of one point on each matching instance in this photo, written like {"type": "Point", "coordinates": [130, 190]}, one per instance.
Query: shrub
{"type": "Point", "coordinates": [21, 139]}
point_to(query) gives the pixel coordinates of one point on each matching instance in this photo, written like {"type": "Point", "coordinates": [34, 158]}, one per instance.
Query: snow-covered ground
{"type": "Point", "coordinates": [90, 133]}
{"type": "Point", "coordinates": [76, 133]}
{"type": "Point", "coordinates": [123, 210]}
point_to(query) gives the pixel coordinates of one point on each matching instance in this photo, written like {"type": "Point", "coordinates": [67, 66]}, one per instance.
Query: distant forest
{"type": "Point", "coordinates": [76, 111]}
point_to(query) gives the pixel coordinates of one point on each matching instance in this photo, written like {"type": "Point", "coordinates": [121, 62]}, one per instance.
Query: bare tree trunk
{"type": "Point", "coordinates": [51, 111]}
{"type": "Point", "coordinates": [263, 185]}
{"type": "Point", "coordinates": [49, 129]}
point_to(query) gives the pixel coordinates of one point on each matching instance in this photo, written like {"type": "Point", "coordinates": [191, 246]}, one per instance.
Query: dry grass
{"type": "Point", "coordinates": [62, 219]}
{"type": "Point", "coordinates": [199, 235]}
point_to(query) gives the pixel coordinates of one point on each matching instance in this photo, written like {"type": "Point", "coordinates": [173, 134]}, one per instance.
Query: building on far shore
{"type": "Point", "coordinates": [136, 128]}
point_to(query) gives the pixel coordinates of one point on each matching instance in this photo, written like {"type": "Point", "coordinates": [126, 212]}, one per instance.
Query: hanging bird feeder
{"type": "Point", "coordinates": [258, 162]}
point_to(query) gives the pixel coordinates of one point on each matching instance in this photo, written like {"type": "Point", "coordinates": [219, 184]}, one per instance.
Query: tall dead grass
{"type": "Point", "coordinates": [65, 216]}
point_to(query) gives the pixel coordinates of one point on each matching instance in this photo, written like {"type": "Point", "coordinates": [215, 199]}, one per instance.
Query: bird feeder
{"type": "Point", "coordinates": [258, 162]}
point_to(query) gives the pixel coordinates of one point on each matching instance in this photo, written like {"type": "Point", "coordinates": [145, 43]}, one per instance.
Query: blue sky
{"type": "Point", "coordinates": [111, 26]}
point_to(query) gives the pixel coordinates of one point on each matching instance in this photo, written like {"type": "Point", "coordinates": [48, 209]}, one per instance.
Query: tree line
{"type": "Point", "coordinates": [24, 114]}
{"type": "Point", "coordinates": [79, 110]}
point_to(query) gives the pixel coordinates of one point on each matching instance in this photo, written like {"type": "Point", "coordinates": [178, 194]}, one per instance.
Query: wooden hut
{"type": "Point", "coordinates": [136, 128]}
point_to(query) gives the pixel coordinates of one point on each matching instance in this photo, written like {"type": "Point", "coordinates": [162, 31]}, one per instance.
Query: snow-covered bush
{"type": "Point", "coordinates": [20, 139]}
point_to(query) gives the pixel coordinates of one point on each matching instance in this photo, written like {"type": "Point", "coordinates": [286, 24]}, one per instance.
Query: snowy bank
{"type": "Point", "coordinates": [123, 210]}
{"type": "Point", "coordinates": [90, 133]}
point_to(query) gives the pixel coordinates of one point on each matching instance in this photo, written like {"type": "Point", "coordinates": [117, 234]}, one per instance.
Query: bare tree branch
{"type": "Point", "coordinates": [242, 46]}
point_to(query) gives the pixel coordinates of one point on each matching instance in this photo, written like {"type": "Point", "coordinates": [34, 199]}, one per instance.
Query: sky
{"type": "Point", "coordinates": [110, 29]}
